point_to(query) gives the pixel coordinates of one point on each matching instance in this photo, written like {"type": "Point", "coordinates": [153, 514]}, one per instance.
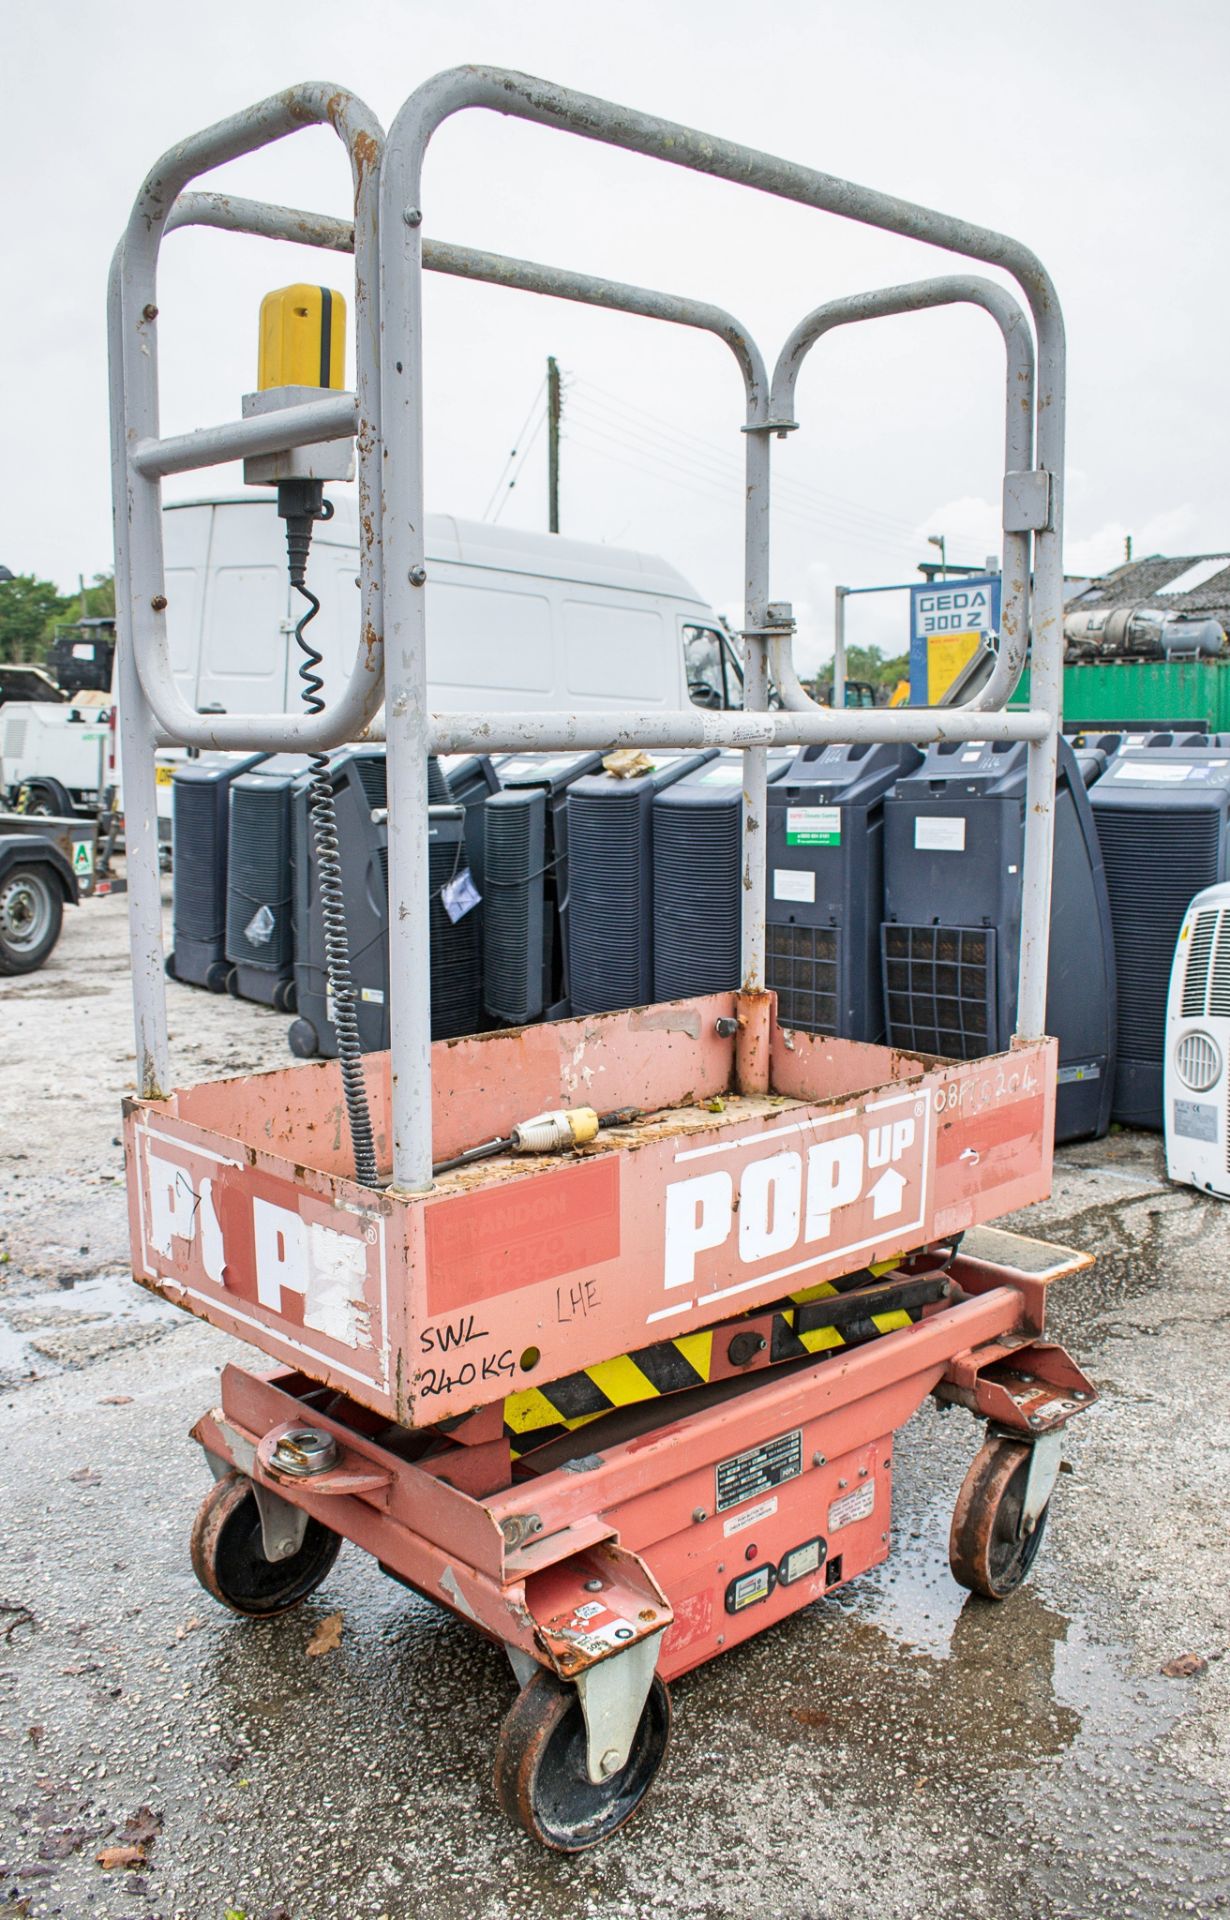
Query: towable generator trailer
{"type": "Point", "coordinates": [597, 1333]}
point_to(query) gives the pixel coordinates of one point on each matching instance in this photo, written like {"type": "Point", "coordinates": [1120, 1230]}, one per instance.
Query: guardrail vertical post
{"type": "Point", "coordinates": [755, 694]}
{"type": "Point", "coordinates": [1046, 678]}
{"type": "Point", "coordinates": [405, 665]}
{"type": "Point", "coordinates": [140, 790]}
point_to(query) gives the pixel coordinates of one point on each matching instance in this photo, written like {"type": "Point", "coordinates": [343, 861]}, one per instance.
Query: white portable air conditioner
{"type": "Point", "coordinates": [1197, 1083]}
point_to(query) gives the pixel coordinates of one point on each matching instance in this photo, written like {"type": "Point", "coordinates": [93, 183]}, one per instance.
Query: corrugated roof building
{"type": "Point", "coordinates": [1198, 584]}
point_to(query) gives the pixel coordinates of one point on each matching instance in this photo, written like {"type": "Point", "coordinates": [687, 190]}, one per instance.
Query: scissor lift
{"type": "Point", "coordinates": [623, 1406]}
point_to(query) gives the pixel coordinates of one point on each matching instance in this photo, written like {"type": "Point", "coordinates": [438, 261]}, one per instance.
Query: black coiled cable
{"type": "Point", "coordinates": [328, 855]}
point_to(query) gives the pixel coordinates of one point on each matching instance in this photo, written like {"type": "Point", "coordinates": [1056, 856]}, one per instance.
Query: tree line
{"type": "Point", "coordinates": [31, 609]}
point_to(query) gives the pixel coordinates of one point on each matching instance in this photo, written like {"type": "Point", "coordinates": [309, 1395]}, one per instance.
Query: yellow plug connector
{"type": "Point", "coordinates": [302, 338]}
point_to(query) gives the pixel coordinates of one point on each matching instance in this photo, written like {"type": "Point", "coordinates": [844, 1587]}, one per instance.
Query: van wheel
{"type": "Point", "coordinates": [31, 910]}
{"type": "Point", "coordinates": [45, 799]}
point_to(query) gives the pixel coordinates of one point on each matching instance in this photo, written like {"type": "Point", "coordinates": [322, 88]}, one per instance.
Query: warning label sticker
{"type": "Point", "coordinates": [852, 1506]}
{"type": "Point", "coordinates": [749, 1474]}
{"type": "Point", "coordinates": [597, 1636]}
{"type": "Point", "coordinates": [763, 1510]}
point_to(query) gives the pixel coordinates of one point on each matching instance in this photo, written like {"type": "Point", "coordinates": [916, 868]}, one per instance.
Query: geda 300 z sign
{"type": "Point", "coordinates": [808, 1192]}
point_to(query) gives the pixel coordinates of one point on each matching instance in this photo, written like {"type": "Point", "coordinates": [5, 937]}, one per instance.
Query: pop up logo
{"type": "Point", "coordinates": [811, 1198]}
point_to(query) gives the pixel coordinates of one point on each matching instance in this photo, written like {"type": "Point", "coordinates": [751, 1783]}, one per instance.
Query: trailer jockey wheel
{"type": "Point", "coordinates": [987, 1549]}
{"type": "Point", "coordinates": [540, 1773]}
{"type": "Point", "coordinates": [228, 1555]}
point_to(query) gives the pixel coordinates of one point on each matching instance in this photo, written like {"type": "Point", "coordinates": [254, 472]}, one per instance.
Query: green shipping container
{"type": "Point", "coordinates": [1129, 692]}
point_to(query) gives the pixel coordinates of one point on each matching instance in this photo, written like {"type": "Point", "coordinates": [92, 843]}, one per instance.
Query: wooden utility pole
{"type": "Point", "coordinates": [554, 408]}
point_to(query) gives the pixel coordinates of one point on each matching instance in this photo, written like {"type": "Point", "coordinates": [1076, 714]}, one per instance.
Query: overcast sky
{"type": "Point", "coordinates": [1093, 132]}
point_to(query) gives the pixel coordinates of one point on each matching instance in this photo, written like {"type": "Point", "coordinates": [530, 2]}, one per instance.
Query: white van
{"type": "Point", "coordinates": [514, 620]}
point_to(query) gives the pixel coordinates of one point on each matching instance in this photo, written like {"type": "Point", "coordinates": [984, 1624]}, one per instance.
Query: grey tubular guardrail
{"type": "Point", "coordinates": [407, 720]}
{"type": "Point", "coordinates": [395, 388]}
{"type": "Point", "coordinates": [949, 290]}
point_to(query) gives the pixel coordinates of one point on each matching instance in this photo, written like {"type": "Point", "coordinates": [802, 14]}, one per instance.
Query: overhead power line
{"type": "Point", "coordinates": [495, 491]}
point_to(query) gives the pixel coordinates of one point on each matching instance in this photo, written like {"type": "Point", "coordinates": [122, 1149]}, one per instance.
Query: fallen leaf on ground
{"type": "Point", "coordinates": [189, 1626]}
{"type": "Point", "coordinates": [85, 1477]}
{"type": "Point", "coordinates": [327, 1636]}
{"type": "Point", "coordinates": [35, 1734]}
{"type": "Point", "coordinates": [141, 1828]}
{"type": "Point", "coordinates": [809, 1716]}
{"type": "Point", "coordinates": [120, 1857]}
{"type": "Point", "coordinates": [116, 1400]}
{"type": "Point", "coordinates": [14, 1617]}
{"type": "Point", "coordinates": [715, 1105]}
{"type": "Point", "coordinates": [1184, 1665]}
{"type": "Point", "coordinates": [79, 1667]}
{"type": "Point", "coordinates": [58, 1846]}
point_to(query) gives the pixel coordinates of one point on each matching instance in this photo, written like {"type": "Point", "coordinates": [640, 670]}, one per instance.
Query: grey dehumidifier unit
{"type": "Point", "coordinates": [525, 890]}
{"type": "Point", "coordinates": [825, 894]}
{"type": "Point", "coordinates": [260, 944]}
{"type": "Point", "coordinates": [200, 820]}
{"type": "Point", "coordinates": [697, 877]}
{"type": "Point", "coordinates": [360, 798]}
{"type": "Point", "coordinates": [1163, 821]}
{"type": "Point", "coordinates": [471, 778]}
{"type": "Point", "coordinates": [610, 882]}
{"type": "Point", "coordinates": [954, 835]}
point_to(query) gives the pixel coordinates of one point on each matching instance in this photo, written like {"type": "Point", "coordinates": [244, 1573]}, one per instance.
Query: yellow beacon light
{"type": "Point", "coordinates": [303, 338]}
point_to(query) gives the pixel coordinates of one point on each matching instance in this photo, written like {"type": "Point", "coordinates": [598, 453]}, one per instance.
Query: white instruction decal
{"type": "Point", "coordinates": [852, 1506]}
{"type": "Point", "coordinates": [940, 832]}
{"type": "Point", "coordinates": [789, 883]}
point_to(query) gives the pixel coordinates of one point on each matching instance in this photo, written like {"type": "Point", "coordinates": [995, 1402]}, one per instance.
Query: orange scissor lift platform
{"type": "Point", "coordinates": [640, 1394]}
{"type": "Point", "coordinates": [624, 1406]}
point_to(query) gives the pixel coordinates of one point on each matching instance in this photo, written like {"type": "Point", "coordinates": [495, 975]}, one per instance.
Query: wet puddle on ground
{"type": "Point", "coordinates": [49, 1325]}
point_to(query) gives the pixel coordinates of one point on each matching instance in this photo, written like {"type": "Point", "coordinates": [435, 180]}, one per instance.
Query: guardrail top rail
{"type": "Point", "coordinates": [385, 413]}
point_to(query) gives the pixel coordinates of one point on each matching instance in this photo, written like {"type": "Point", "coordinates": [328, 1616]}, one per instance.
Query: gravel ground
{"type": "Point", "coordinates": [900, 1751]}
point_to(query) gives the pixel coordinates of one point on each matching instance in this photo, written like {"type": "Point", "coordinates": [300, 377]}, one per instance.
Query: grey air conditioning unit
{"type": "Point", "coordinates": [825, 894]}
{"type": "Point", "coordinates": [525, 896]}
{"type": "Point", "coordinates": [610, 882]}
{"type": "Point", "coordinates": [200, 836]}
{"type": "Point", "coordinates": [954, 835]}
{"type": "Point", "coordinates": [1163, 820]}
{"type": "Point", "coordinates": [360, 799]}
{"type": "Point", "coordinates": [697, 877]}
{"type": "Point", "coordinates": [260, 944]}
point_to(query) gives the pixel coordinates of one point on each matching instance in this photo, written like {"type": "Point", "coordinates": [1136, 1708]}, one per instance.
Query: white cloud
{"type": "Point", "coordinates": [971, 527]}
{"type": "Point", "coordinates": [1167, 532]}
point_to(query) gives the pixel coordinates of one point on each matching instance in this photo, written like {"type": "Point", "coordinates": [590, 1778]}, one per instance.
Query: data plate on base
{"type": "Point", "coordinates": [747, 1474]}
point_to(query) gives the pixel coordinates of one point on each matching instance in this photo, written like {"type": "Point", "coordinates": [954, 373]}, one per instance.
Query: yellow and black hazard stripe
{"type": "Point", "coordinates": [811, 1323]}
{"type": "Point", "coordinates": [540, 1414]}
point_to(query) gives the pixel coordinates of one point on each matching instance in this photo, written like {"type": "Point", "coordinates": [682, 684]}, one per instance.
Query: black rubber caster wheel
{"type": "Point", "coordinates": [216, 976]}
{"type": "Point", "coordinates": [284, 996]}
{"type": "Point", "coordinates": [302, 1039]}
{"type": "Point", "coordinates": [540, 1774]}
{"type": "Point", "coordinates": [168, 966]}
{"type": "Point", "coordinates": [232, 983]}
{"type": "Point", "coordinates": [228, 1557]}
{"type": "Point", "coordinates": [987, 1550]}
